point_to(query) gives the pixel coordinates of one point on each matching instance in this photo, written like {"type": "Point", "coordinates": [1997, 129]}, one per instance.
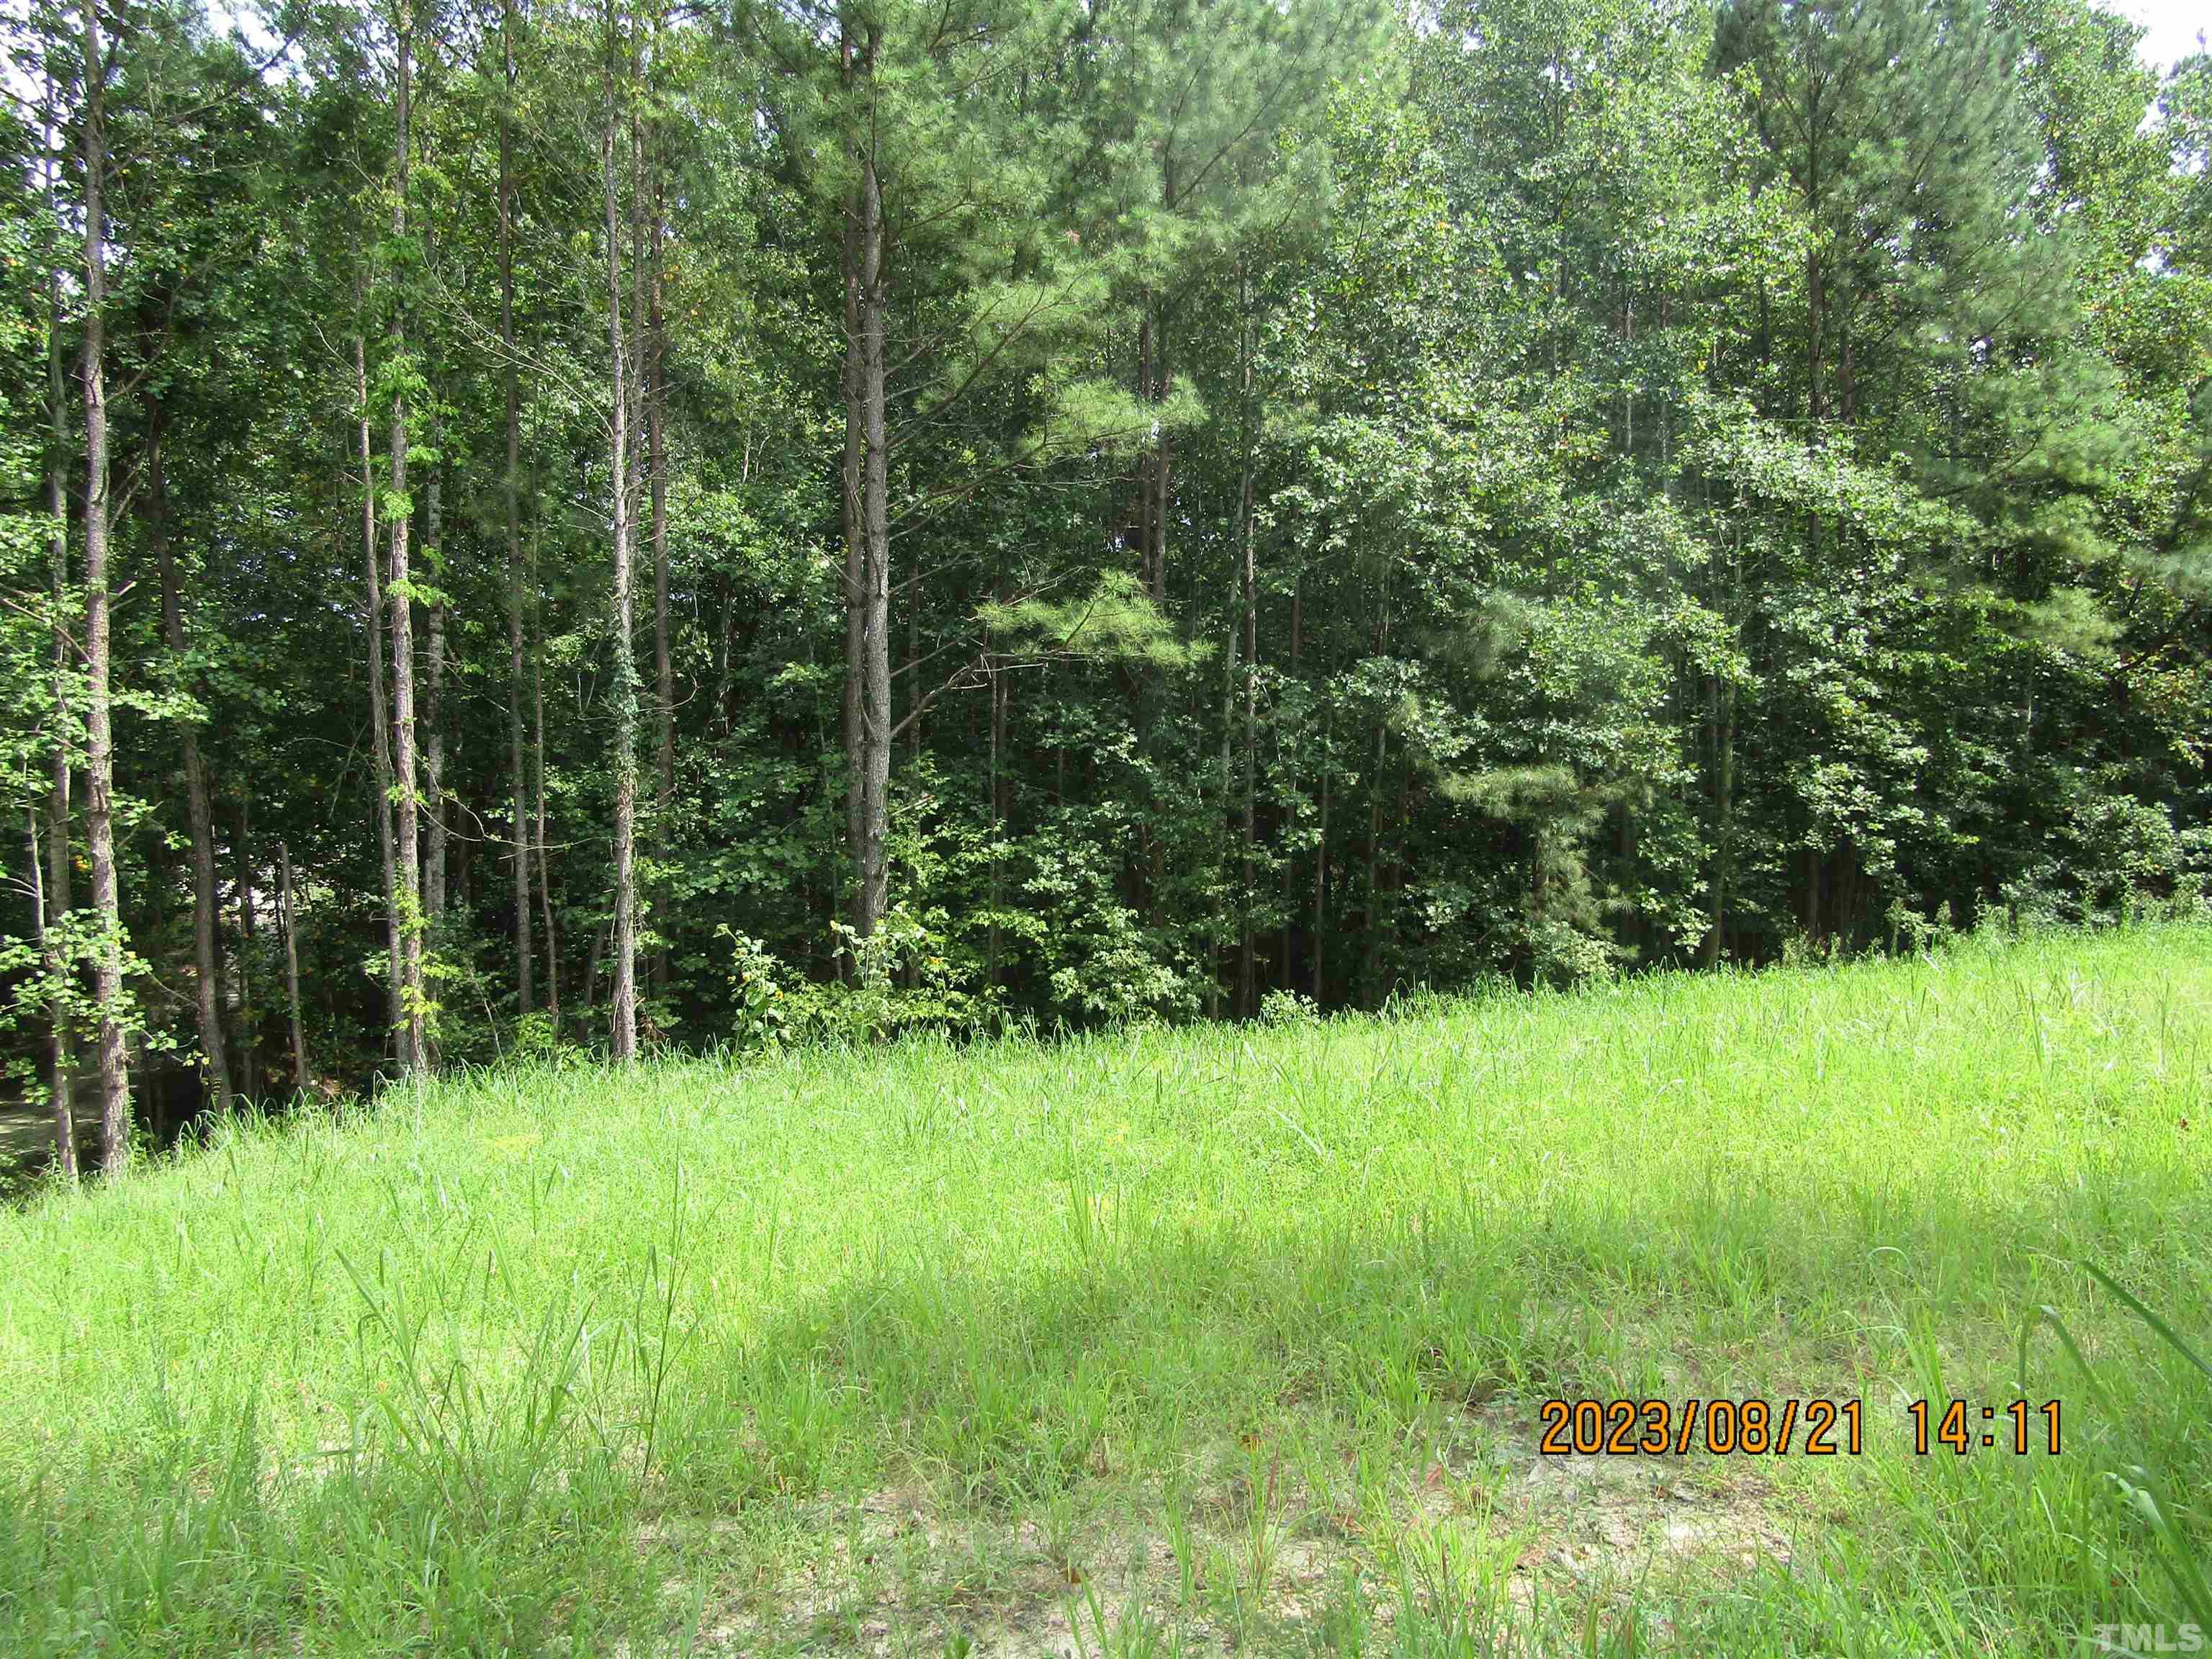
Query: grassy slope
{"type": "Point", "coordinates": [1182, 1337]}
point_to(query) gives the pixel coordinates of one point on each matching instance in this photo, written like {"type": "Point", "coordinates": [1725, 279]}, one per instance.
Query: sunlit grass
{"type": "Point", "coordinates": [1173, 1338]}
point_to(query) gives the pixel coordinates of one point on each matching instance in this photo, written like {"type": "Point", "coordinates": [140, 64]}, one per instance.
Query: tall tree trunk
{"type": "Point", "coordinates": [875, 500]}
{"type": "Point", "coordinates": [663, 671]}
{"type": "Point", "coordinates": [1145, 495]}
{"type": "Point", "coordinates": [591, 965]}
{"type": "Point", "coordinates": [379, 717]}
{"type": "Point", "coordinates": [867, 553]}
{"type": "Point", "coordinates": [918, 699]}
{"type": "Point", "coordinates": [1720, 711]}
{"type": "Point", "coordinates": [157, 1109]}
{"type": "Point", "coordinates": [62, 1059]}
{"type": "Point", "coordinates": [207, 984]}
{"type": "Point", "coordinates": [1218, 945]}
{"type": "Point", "coordinates": [99, 730]}
{"type": "Point", "coordinates": [1722, 707]}
{"type": "Point", "coordinates": [414, 1044]}
{"type": "Point", "coordinates": [1163, 481]}
{"type": "Point", "coordinates": [1163, 384]}
{"type": "Point", "coordinates": [1319, 949]}
{"type": "Point", "coordinates": [1370, 971]}
{"type": "Point", "coordinates": [1247, 967]}
{"type": "Point", "coordinates": [50, 966]}
{"type": "Point", "coordinates": [1290, 880]}
{"type": "Point", "coordinates": [1847, 389]}
{"type": "Point", "coordinates": [998, 821]}
{"type": "Point", "coordinates": [856, 556]}
{"type": "Point", "coordinates": [1816, 396]}
{"type": "Point", "coordinates": [519, 842]}
{"type": "Point", "coordinates": [1628, 375]}
{"type": "Point", "coordinates": [290, 919]}
{"type": "Point", "coordinates": [622, 1027]}
{"type": "Point", "coordinates": [544, 869]}
{"type": "Point", "coordinates": [249, 1029]}
{"type": "Point", "coordinates": [435, 872]}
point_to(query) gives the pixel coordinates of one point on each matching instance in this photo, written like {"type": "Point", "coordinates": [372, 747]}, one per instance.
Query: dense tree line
{"type": "Point", "coordinates": [533, 522]}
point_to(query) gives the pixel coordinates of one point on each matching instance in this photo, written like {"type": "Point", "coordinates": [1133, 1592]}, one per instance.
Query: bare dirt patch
{"type": "Point", "coordinates": [1248, 1559]}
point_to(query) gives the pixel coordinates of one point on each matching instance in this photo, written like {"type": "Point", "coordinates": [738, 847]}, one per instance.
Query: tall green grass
{"type": "Point", "coordinates": [1149, 1343]}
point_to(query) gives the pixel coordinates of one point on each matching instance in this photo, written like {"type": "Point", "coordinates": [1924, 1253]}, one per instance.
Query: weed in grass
{"type": "Point", "coordinates": [2146, 1491]}
{"type": "Point", "coordinates": [1132, 1633]}
{"type": "Point", "coordinates": [1347, 1616]}
{"type": "Point", "coordinates": [1183, 1542]}
{"type": "Point", "coordinates": [1264, 1529]}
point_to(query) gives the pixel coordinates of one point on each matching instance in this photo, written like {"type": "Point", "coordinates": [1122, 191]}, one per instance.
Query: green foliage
{"type": "Point", "coordinates": [1557, 488]}
{"type": "Point", "coordinates": [1116, 622]}
{"type": "Point", "coordinates": [757, 1022]}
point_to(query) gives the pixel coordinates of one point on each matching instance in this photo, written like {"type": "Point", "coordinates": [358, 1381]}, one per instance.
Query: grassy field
{"type": "Point", "coordinates": [1172, 1342]}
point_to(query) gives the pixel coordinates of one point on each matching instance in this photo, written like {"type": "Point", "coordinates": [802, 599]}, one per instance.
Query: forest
{"type": "Point", "coordinates": [547, 526]}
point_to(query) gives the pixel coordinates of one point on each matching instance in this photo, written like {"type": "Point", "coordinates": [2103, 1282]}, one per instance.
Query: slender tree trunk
{"type": "Point", "coordinates": [157, 1106]}
{"type": "Point", "coordinates": [1816, 397]}
{"type": "Point", "coordinates": [1372, 945]}
{"type": "Point", "coordinates": [1163, 385]}
{"type": "Point", "coordinates": [544, 869]}
{"type": "Point", "coordinates": [99, 737]}
{"type": "Point", "coordinates": [1290, 884]}
{"type": "Point", "coordinates": [998, 820]}
{"type": "Point", "coordinates": [917, 700]}
{"type": "Point", "coordinates": [1722, 716]}
{"type": "Point", "coordinates": [855, 580]}
{"type": "Point", "coordinates": [663, 671]}
{"type": "Point", "coordinates": [635, 369]}
{"type": "Point", "coordinates": [1847, 391]}
{"type": "Point", "coordinates": [379, 717]}
{"type": "Point", "coordinates": [249, 1029]}
{"type": "Point", "coordinates": [50, 965]}
{"type": "Point", "coordinates": [1628, 376]}
{"type": "Point", "coordinates": [62, 1074]}
{"type": "Point", "coordinates": [851, 511]}
{"type": "Point", "coordinates": [1319, 950]}
{"type": "Point", "coordinates": [1218, 945]}
{"type": "Point", "coordinates": [726, 602]}
{"type": "Point", "coordinates": [867, 556]}
{"type": "Point", "coordinates": [289, 921]}
{"type": "Point", "coordinates": [1163, 469]}
{"type": "Point", "coordinates": [1246, 966]}
{"type": "Point", "coordinates": [1248, 960]}
{"type": "Point", "coordinates": [591, 965]}
{"type": "Point", "coordinates": [434, 870]}
{"type": "Point", "coordinates": [414, 1049]}
{"type": "Point", "coordinates": [876, 694]}
{"type": "Point", "coordinates": [509, 484]}
{"type": "Point", "coordinates": [1399, 822]}
{"type": "Point", "coordinates": [206, 983]}
{"type": "Point", "coordinates": [623, 1013]}
{"type": "Point", "coordinates": [1146, 494]}
{"type": "Point", "coordinates": [1371, 965]}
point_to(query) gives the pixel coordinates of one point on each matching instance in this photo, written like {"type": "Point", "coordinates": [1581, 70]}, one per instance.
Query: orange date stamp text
{"type": "Point", "coordinates": [1658, 1428]}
